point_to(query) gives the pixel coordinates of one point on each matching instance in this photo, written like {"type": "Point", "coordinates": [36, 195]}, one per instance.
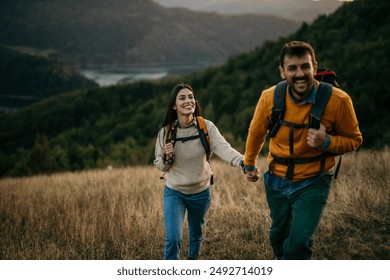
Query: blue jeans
{"type": "Point", "coordinates": [175, 206]}
{"type": "Point", "coordinates": [295, 218]}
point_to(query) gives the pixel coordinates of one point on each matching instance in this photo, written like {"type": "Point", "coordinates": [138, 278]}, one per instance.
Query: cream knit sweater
{"type": "Point", "coordinates": [190, 172]}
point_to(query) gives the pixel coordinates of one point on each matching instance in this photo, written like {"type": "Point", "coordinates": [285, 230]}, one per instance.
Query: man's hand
{"type": "Point", "coordinates": [316, 138]}
{"type": "Point", "coordinates": [252, 176]}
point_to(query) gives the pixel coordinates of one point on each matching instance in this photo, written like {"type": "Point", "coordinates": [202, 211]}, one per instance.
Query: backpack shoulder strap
{"type": "Point", "coordinates": [171, 133]}
{"type": "Point", "coordinates": [278, 109]}
{"type": "Point", "coordinates": [204, 135]}
{"type": "Point", "coordinates": [323, 95]}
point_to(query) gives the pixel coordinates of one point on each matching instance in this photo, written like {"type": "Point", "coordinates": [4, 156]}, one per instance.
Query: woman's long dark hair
{"type": "Point", "coordinates": [170, 113]}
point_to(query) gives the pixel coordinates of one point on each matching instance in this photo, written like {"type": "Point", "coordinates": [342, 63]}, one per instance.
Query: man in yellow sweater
{"type": "Point", "coordinates": [300, 157]}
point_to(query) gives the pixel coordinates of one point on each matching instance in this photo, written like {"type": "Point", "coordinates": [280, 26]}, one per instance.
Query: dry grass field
{"type": "Point", "coordinates": [117, 214]}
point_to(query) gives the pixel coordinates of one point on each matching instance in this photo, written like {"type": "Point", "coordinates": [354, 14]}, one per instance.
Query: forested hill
{"type": "Point", "coordinates": [123, 32]}
{"type": "Point", "coordinates": [26, 78]}
{"type": "Point", "coordinates": [118, 125]}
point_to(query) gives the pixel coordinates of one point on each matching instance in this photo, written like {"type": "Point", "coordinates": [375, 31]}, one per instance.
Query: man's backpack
{"type": "Point", "coordinates": [203, 135]}
{"type": "Point", "coordinates": [327, 79]}
{"type": "Point", "coordinates": [327, 76]}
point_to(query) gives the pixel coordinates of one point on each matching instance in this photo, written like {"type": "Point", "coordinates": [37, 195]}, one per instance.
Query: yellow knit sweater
{"type": "Point", "coordinates": [340, 121]}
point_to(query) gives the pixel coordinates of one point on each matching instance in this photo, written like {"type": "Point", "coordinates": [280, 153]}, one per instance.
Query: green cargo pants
{"type": "Point", "coordinates": [295, 218]}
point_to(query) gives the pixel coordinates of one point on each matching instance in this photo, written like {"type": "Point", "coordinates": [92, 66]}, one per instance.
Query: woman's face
{"type": "Point", "coordinates": [185, 102]}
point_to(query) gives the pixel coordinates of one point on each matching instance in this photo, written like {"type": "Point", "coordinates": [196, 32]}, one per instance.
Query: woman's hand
{"type": "Point", "coordinates": [168, 148]}
{"type": "Point", "coordinates": [253, 176]}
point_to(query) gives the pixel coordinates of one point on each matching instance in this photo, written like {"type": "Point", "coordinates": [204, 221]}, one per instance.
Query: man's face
{"type": "Point", "coordinates": [299, 72]}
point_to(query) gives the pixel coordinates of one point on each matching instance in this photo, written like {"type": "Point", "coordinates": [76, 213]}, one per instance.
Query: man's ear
{"type": "Point", "coordinates": [315, 66]}
{"type": "Point", "coordinates": [282, 74]}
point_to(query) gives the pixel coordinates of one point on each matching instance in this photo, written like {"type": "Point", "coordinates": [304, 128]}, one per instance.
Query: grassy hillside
{"type": "Point", "coordinates": [118, 125]}
{"type": "Point", "coordinates": [117, 214]}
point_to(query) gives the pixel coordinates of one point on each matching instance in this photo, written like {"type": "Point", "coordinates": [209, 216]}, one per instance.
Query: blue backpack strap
{"type": "Point", "coordinates": [278, 108]}
{"type": "Point", "coordinates": [323, 95]}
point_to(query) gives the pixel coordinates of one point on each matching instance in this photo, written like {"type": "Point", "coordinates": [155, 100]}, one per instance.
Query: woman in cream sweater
{"type": "Point", "coordinates": [187, 170]}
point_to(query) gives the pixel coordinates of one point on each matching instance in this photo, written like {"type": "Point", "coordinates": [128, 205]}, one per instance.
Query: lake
{"type": "Point", "coordinates": [107, 76]}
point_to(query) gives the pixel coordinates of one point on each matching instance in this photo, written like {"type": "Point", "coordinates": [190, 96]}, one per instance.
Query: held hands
{"type": "Point", "coordinates": [316, 138]}
{"type": "Point", "coordinates": [253, 176]}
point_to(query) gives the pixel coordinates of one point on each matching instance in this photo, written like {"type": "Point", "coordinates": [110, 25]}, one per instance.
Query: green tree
{"type": "Point", "coordinates": [40, 160]}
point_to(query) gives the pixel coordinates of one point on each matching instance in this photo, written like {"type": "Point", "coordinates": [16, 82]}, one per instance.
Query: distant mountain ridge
{"type": "Point", "coordinates": [298, 10]}
{"type": "Point", "coordinates": [117, 32]}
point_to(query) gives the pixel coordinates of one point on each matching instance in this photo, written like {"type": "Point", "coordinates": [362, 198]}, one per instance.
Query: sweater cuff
{"type": "Point", "coordinates": [249, 168]}
{"type": "Point", "coordinates": [168, 161]}
{"type": "Point", "coordinates": [246, 168]}
{"type": "Point", "coordinates": [326, 144]}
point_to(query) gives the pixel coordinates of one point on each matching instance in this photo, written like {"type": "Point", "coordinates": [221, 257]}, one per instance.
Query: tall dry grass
{"type": "Point", "coordinates": [117, 214]}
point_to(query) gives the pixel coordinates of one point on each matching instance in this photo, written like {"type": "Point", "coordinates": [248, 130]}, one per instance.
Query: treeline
{"type": "Point", "coordinates": [33, 76]}
{"type": "Point", "coordinates": [83, 129]}
{"type": "Point", "coordinates": [117, 125]}
{"type": "Point", "coordinates": [23, 74]}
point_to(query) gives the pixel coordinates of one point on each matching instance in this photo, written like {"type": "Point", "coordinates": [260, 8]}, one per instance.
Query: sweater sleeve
{"type": "Point", "coordinates": [347, 136]}
{"type": "Point", "coordinates": [159, 152]}
{"type": "Point", "coordinates": [221, 147]}
{"type": "Point", "coordinates": [258, 128]}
